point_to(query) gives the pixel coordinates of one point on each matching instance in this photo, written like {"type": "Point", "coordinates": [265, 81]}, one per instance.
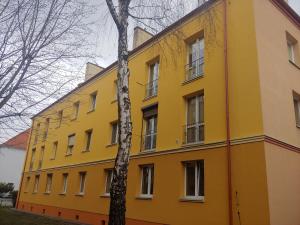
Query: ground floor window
{"type": "Point", "coordinates": [147, 180]}
{"type": "Point", "coordinates": [194, 179]}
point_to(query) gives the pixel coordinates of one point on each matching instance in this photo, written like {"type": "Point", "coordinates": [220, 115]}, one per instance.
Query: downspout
{"type": "Point", "coordinates": [22, 177]}
{"type": "Point", "coordinates": [228, 146]}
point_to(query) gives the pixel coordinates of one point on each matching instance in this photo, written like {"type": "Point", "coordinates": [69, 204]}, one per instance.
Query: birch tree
{"type": "Point", "coordinates": [155, 15]}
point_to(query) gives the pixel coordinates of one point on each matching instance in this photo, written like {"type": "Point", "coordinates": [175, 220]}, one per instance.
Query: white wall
{"type": "Point", "coordinates": [11, 165]}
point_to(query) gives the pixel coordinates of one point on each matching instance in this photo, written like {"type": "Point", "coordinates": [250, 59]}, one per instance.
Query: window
{"type": "Point", "coordinates": [27, 184]}
{"type": "Point", "coordinates": [71, 143]}
{"type": "Point", "coordinates": [194, 179]}
{"type": "Point", "coordinates": [75, 110]}
{"type": "Point", "coordinates": [194, 130]}
{"type": "Point", "coordinates": [114, 133]}
{"type": "Point", "coordinates": [194, 68]}
{"type": "Point", "coordinates": [109, 177]}
{"type": "Point", "coordinates": [147, 180]}
{"type": "Point", "coordinates": [41, 157]}
{"type": "Point", "coordinates": [93, 98]}
{"type": "Point", "coordinates": [49, 183]}
{"type": "Point", "coordinates": [152, 85]}
{"type": "Point", "coordinates": [59, 118]}
{"type": "Point", "coordinates": [292, 46]}
{"type": "Point", "coordinates": [82, 177]}
{"type": "Point", "coordinates": [150, 120]}
{"type": "Point", "coordinates": [115, 90]}
{"type": "Point", "coordinates": [36, 184]}
{"type": "Point", "coordinates": [297, 108]}
{"type": "Point", "coordinates": [54, 150]}
{"type": "Point", "coordinates": [88, 137]}
{"type": "Point", "coordinates": [32, 159]}
{"type": "Point", "coordinates": [64, 183]}
{"type": "Point", "coordinates": [46, 129]}
{"type": "Point", "coordinates": [37, 130]}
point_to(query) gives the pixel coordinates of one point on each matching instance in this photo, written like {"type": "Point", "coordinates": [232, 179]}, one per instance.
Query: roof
{"type": "Point", "coordinates": [19, 141]}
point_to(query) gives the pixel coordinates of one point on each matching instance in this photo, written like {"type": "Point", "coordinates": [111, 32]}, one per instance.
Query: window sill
{"type": "Point", "coordinates": [114, 101]}
{"type": "Point", "coordinates": [105, 195]}
{"type": "Point", "coordinates": [52, 159]}
{"type": "Point", "coordinates": [79, 194]}
{"type": "Point", "coordinates": [67, 155]}
{"type": "Point", "coordinates": [298, 126]}
{"type": "Point", "coordinates": [145, 152]}
{"type": "Point", "coordinates": [149, 97]}
{"type": "Point", "coordinates": [90, 111]}
{"type": "Point", "coordinates": [62, 194]}
{"type": "Point", "coordinates": [111, 145]}
{"type": "Point", "coordinates": [192, 79]}
{"type": "Point", "coordinates": [34, 193]}
{"type": "Point", "coordinates": [193, 144]}
{"type": "Point", "coordinates": [144, 197]}
{"type": "Point", "coordinates": [85, 151]}
{"type": "Point", "coordinates": [193, 199]}
{"type": "Point", "coordinates": [47, 193]}
{"type": "Point", "coordinates": [294, 64]}
{"type": "Point", "coordinates": [74, 119]}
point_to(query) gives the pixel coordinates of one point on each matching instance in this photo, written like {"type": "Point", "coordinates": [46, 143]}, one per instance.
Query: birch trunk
{"type": "Point", "coordinates": [119, 183]}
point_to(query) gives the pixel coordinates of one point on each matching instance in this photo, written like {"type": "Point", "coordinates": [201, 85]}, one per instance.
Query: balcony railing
{"type": "Point", "coordinates": [149, 142]}
{"type": "Point", "coordinates": [151, 88]}
{"type": "Point", "coordinates": [193, 133]}
{"type": "Point", "coordinates": [194, 69]}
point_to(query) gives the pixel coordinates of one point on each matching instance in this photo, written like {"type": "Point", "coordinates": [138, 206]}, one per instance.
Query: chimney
{"type": "Point", "coordinates": [140, 36]}
{"type": "Point", "coordinates": [91, 70]}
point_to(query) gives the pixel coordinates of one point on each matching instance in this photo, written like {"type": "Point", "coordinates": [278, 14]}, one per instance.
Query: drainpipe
{"type": "Point", "coordinates": [22, 177]}
{"type": "Point", "coordinates": [228, 146]}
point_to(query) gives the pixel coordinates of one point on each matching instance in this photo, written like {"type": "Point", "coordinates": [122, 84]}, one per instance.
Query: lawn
{"type": "Point", "coordinates": [12, 217]}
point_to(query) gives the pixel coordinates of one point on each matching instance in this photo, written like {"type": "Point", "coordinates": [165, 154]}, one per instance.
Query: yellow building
{"type": "Point", "coordinates": [216, 126]}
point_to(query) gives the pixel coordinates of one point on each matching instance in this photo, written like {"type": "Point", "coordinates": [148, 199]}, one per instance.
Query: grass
{"type": "Point", "coordinates": [13, 217]}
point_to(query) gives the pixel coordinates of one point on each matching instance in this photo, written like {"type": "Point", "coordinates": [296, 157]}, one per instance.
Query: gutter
{"type": "Point", "coordinates": [228, 136]}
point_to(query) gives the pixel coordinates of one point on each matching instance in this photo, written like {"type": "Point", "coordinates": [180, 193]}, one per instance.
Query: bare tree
{"type": "Point", "coordinates": [40, 40]}
{"type": "Point", "coordinates": [154, 15]}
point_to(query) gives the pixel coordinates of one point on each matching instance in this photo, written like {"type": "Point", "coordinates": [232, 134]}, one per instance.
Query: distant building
{"type": "Point", "coordinates": [12, 155]}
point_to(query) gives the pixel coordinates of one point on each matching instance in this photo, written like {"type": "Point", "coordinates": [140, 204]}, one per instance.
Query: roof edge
{"type": "Point", "coordinates": [199, 9]}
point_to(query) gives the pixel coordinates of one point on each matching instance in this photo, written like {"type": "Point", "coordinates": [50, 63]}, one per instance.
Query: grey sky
{"type": "Point", "coordinates": [296, 5]}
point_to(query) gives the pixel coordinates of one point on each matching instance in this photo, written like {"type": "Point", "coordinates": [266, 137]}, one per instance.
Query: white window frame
{"type": "Point", "coordinates": [76, 106]}
{"type": "Point", "coordinates": [54, 150]}
{"type": "Point", "coordinates": [153, 132]}
{"type": "Point", "coordinates": [291, 49]}
{"type": "Point", "coordinates": [107, 173]}
{"type": "Point", "coordinates": [153, 80]}
{"type": "Point", "coordinates": [297, 109]}
{"type": "Point", "coordinates": [151, 170]}
{"type": "Point", "coordinates": [197, 196]}
{"type": "Point", "coordinates": [82, 182]}
{"type": "Point", "coordinates": [65, 183]}
{"type": "Point", "coordinates": [200, 42]}
{"type": "Point", "coordinates": [36, 183]}
{"type": "Point", "coordinates": [49, 183]}
{"type": "Point", "coordinates": [197, 124]}
{"type": "Point", "coordinates": [116, 135]}
{"type": "Point", "coordinates": [70, 147]}
{"type": "Point", "coordinates": [88, 141]}
{"type": "Point", "coordinates": [93, 101]}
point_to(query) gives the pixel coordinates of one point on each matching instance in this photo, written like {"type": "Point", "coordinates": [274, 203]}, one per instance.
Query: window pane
{"type": "Point", "coordinates": [152, 180]}
{"type": "Point", "coordinates": [297, 111]}
{"type": "Point", "coordinates": [190, 179]}
{"type": "Point", "coordinates": [114, 133]}
{"type": "Point", "coordinates": [145, 174]}
{"type": "Point", "coordinates": [191, 111]}
{"type": "Point", "coordinates": [200, 109]}
{"type": "Point", "coordinates": [200, 180]}
{"type": "Point", "coordinates": [191, 134]}
{"type": "Point", "coordinates": [108, 180]}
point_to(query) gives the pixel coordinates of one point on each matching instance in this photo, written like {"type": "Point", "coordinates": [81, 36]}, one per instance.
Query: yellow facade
{"type": "Point", "coordinates": [252, 163]}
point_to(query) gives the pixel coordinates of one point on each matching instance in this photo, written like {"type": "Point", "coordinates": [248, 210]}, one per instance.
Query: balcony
{"type": "Point", "coordinates": [151, 88]}
{"type": "Point", "coordinates": [149, 142]}
{"type": "Point", "coordinates": [194, 69]}
{"type": "Point", "coordinates": [193, 133]}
